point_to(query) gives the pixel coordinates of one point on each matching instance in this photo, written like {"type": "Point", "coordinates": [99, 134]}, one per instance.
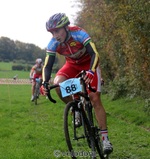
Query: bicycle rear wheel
{"type": "Point", "coordinates": [98, 143]}
{"type": "Point", "coordinates": [36, 93]}
{"type": "Point", "coordinates": [98, 139]}
{"type": "Point", "coordinates": [35, 99]}
{"type": "Point", "coordinates": [79, 143]}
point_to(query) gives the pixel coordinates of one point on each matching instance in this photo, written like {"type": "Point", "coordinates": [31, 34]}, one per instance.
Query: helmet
{"type": "Point", "coordinates": [57, 21]}
{"type": "Point", "coordinates": [38, 61]}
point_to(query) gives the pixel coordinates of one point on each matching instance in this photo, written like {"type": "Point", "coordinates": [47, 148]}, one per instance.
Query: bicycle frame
{"type": "Point", "coordinates": [87, 124]}
{"type": "Point", "coordinates": [84, 106]}
{"type": "Point", "coordinates": [36, 91]}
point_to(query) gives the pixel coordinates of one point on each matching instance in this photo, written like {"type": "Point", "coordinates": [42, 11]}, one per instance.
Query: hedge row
{"type": "Point", "coordinates": [21, 67]}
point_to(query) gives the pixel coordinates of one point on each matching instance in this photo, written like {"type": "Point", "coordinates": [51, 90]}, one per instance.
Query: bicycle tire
{"type": "Point", "coordinates": [96, 134]}
{"type": "Point", "coordinates": [99, 147]}
{"type": "Point", "coordinates": [36, 93]}
{"type": "Point", "coordinates": [98, 138]}
{"type": "Point", "coordinates": [78, 144]}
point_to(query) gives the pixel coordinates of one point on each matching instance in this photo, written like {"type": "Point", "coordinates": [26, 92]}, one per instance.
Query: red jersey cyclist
{"type": "Point", "coordinates": [80, 53]}
{"type": "Point", "coordinates": [36, 72]}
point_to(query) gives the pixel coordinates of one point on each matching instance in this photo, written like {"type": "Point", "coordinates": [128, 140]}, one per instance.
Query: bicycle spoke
{"type": "Point", "coordinates": [98, 139]}
{"type": "Point", "coordinates": [81, 130]}
{"type": "Point", "coordinates": [76, 137]}
{"type": "Point", "coordinates": [36, 93]}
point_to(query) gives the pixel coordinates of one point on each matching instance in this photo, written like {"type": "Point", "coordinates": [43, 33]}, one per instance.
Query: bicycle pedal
{"type": "Point", "coordinates": [77, 124]}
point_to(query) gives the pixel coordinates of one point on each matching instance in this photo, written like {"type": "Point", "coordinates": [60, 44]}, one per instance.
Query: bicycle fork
{"type": "Point", "coordinates": [87, 125]}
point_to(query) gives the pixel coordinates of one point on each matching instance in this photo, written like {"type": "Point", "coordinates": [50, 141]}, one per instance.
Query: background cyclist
{"type": "Point", "coordinates": [36, 72]}
{"type": "Point", "coordinates": [75, 44]}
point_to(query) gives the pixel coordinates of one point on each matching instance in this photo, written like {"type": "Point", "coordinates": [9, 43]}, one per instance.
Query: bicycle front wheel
{"type": "Point", "coordinates": [77, 137]}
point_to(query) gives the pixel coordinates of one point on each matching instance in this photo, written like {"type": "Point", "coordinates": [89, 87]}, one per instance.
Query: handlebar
{"type": "Point", "coordinates": [82, 74]}
{"type": "Point", "coordinates": [49, 94]}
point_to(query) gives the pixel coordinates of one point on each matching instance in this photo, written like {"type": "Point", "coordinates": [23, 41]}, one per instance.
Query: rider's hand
{"type": "Point", "coordinates": [89, 76]}
{"type": "Point", "coordinates": [42, 92]}
{"type": "Point", "coordinates": [44, 88]}
{"type": "Point", "coordinates": [30, 78]}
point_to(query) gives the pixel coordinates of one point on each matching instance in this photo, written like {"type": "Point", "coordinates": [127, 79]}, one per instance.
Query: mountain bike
{"type": "Point", "coordinates": [37, 90]}
{"type": "Point", "coordinates": [83, 139]}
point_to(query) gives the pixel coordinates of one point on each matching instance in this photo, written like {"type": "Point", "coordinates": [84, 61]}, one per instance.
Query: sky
{"type": "Point", "coordinates": [24, 20]}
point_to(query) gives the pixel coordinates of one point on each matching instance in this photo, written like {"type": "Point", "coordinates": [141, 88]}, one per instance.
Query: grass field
{"type": "Point", "coordinates": [27, 130]}
{"type": "Point", "coordinates": [6, 66]}
{"type": "Point", "coordinates": [36, 132]}
{"type": "Point", "coordinates": [7, 72]}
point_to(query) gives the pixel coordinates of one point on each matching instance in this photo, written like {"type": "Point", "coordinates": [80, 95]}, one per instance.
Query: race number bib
{"type": "Point", "coordinates": [70, 86]}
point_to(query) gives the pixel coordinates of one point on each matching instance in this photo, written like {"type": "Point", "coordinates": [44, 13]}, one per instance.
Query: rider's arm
{"type": "Point", "coordinates": [91, 49]}
{"type": "Point", "coordinates": [32, 71]}
{"type": "Point", "coordinates": [47, 68]}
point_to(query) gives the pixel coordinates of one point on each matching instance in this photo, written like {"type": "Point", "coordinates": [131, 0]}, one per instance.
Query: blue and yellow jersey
{"type": "Point", "coordinates": [74, 48]}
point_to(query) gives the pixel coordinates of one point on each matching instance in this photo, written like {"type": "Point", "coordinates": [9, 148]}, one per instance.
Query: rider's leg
{"type": "Point", "coordinates": [32, 90]}
{"type": "Point", "coordinates": [57, 80]}
{"type": "Point", "coordinates": [33, 87]}
{"type": "Point", "coordinates": [99, 110]}
{"type": "Point", "coordinates": [102, 120]}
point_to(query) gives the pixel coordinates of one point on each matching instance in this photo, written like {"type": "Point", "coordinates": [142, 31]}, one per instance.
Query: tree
{"type": "Point", "coordinates": [16, 50]}
{"type": "Point", "coordinates": [120, 30]}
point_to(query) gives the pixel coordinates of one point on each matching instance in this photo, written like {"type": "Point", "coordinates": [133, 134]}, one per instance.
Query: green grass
{"type": "Point", "coordinates": [131, 111]}
{"type": "Point", "coordinates": [5, 66]}
{"type": "Point", "coordinates": [36, 132]}
{"type": "Point", "coordinates": [11, 74]}
{"type": "Point", "coordinates": [7, 72]}
{"type": "Point", "coordinates": [27, 130]}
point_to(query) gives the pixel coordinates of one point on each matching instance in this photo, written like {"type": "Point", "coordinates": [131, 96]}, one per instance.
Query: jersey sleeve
{"type": "Point", "coordinates": [33, 68]}
{"type": "Point", "coordinates": [82, 36]}
{"type": "Point", "coordinates": [51, 48]}
{"type": "Point", "coordinates": [49, 60]}
{"type": "Point", "coordinates": [47, 68]}
{"type": "Point", "coordinates": [91, 49]}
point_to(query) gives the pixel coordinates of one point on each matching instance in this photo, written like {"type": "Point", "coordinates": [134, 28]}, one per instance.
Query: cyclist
{"type": "Point", "coordinates": [80, 53]}
{"type": "Point", "coordinates": [36, 72]}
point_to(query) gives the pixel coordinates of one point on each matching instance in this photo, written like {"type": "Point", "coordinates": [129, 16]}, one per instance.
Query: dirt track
{"type": "Point", "coordinates": [14, 81]}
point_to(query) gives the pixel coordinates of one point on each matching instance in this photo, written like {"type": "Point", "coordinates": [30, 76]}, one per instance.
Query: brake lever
{"type": "Point", "coordinates": [91, 89]}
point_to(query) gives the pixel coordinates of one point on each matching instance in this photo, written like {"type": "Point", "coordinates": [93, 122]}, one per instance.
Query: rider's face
{"type": "Point", "coordinates": [38, 64]}
{"type": "Point", "coordinates": [59, 34]}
